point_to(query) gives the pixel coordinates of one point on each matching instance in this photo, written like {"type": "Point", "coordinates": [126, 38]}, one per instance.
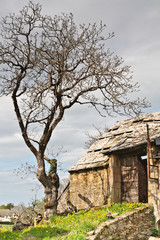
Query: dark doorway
{"type": "Point", "coordinates": [142, 179]}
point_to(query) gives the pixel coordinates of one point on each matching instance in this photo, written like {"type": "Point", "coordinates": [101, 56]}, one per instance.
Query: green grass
{"type": "Point", "coordinates": [155, 232]}
{"type": "Point", "coordinates": [7, 226]}
{"type": "Point", "coordinates": [70, 227]}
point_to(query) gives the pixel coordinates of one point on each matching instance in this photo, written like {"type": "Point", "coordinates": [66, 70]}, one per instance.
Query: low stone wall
{"type": "Point", "coordinates": [135, 225]}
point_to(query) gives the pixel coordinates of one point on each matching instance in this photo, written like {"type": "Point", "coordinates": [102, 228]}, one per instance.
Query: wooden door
{"type": "Point", "coordinates": [129, 179]}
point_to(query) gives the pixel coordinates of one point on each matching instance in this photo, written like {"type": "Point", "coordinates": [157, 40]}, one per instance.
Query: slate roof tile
{"type": "Point", "coordinates": [123, 135]}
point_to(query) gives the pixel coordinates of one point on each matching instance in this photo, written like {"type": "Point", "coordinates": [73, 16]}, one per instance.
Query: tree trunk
{"type": "Point", "coordinates": [50, 199]}
{"type": "Point", "coordinates": [50, 182]}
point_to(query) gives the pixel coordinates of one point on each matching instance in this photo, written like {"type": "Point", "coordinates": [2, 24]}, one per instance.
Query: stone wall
{"type": "Point", "coordinates": [135, 225]}
{"type": "Point", "coordinates": [154, 185]}
{"type": "Point", "coordinates": [122, 181]}
{"type": "Point", "coordinates": [63, 201]}
{"type": "Point", "coordinates": [89, 188]}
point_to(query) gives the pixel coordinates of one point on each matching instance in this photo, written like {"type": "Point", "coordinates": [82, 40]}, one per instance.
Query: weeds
{"type": "Point", "coordinates": [155, 232]}
{"type": "Point", "coordinates": [74, 226]}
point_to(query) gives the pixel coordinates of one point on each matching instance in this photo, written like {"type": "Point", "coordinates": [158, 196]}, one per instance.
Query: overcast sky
{"type": "Point", "coordinates": [136, 25]}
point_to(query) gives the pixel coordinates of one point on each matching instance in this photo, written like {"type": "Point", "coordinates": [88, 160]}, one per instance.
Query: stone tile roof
{"type": "Point", "coordinates": [123, 135]}
{"type": "Point", "coordinates": [5, 212]}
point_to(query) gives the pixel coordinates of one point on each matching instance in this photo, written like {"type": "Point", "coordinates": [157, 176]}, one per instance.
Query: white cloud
{"type": "Point", "coordinates": [16, 190]}
{"type": "Point", "coordinates": [16, 137]}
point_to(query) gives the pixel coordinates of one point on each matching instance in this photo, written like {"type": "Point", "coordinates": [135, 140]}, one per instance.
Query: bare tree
{"type": "Point", "coordinates": [48, 64]}
{"type": "Point", "coordinates": [91, 138]}
{"type": "Point", "coordinates": [63, 184]}
{"type": "Point", "coordinates": [23, 216]}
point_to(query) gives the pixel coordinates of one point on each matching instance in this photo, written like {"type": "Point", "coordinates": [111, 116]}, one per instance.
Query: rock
{"type": "Point", "coordinates": [109, 214]}
{"type": "Point", "coordinates": [39, 218]}
{"type": "Point", "coordinates": [18, 226]}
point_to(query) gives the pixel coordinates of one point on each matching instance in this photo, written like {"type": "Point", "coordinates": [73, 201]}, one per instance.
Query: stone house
{"type": "Point", "coordinates": [5, 216]}
{"type": "Point", "coordinates": [122, 165]}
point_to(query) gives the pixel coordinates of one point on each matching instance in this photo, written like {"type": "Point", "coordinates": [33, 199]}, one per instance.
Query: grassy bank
{"type": "Point", "coordinates": [7, 226]}
{"type": "Point", "coordinates": [70, 227]}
